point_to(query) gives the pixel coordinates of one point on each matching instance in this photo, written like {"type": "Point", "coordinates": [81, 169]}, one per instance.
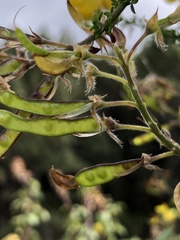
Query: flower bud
{"type": "Point", "coordinates": [152, 24]}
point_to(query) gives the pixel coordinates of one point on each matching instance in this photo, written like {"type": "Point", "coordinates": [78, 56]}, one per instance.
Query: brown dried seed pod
{"type": "Point", "coordinates": [177, 196]}
{"type": "Point", "coordinates": [62, 180]}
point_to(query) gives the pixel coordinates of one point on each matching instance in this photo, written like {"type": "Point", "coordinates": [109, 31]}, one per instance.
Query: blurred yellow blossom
{"type": "Point", "coordinates": [164, 215]}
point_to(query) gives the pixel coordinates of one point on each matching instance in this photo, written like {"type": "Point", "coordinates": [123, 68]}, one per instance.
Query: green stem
{"type": "Point", "coordinates": [109, 58]}
{"type": "Point", "coordinates": [56, 44]}
{"type": "Point", "coordinates": [103, 104]}
{"type": "Point", "coordinates": [161, 155]}
{"type": "Point", "coordinates": [135, 46]}
{"type": "Point", "coordinates": [114, 16]}
{"type": "Point", "coordinates": [10, 35]}
{"type": "Point", "coordinates": [171, 19]}
{"type": "Point", "coordinates": [120, 126]}
{"type": "Point", "coordinates": [165, 140]}
{"type": "Point", "coordinates": [112, 76]}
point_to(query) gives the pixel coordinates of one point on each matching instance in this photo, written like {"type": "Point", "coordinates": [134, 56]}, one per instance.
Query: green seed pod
{"type": "Point", "coordinates": [50, 62]}
{"type": "Point", "coordinates": [102, 173]}
{"type": "Point", "coordinates": [48, 126]}
{"type": "Point", "coordinates": [13, 68]}
{"type": "Point", "coordinates": [143, 139]}
{"type": "Point", "coordinates": [31, 47]}
{"type": "Point", "coordinates": [9, 66]}
{"type": "Point", "coordinates": [43, 107]}
{"type": "Point", "coordinates": [8, 137]}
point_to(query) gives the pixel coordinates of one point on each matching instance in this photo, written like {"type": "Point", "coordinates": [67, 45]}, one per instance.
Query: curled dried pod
{"type": "Point", "coordinates": [62, 180]}
{"type": "Point", "coordinates": [177, 196]}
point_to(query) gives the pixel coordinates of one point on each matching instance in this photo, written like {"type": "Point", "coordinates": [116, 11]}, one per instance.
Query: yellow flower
{"type": "Point", "coordinates": [86, 8]}
{"type": "Point", "coordinates": [170, 216]}
{"type": "Point", "coordinates": [98, 227]}
{"type": "Point", "coordinates": [82, 10]}
{"type": "Point", "coordinates": [167, 214]}
{"type": "Point", "coordinates": [155, 220]}
{"type": "Point", "coordinates": [160, 209]}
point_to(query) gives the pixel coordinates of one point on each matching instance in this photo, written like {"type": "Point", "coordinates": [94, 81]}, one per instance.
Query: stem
{"type": "Point", "coordinates": [103, 57]}
{"type": "Point", "coordinates": [112, 76]}
{"type": "Point", "coordinates": [161, 155]}
{"type": "Point", "coordinates": [135, 46]}
{"type": "Point", "coordinates": [56, 44]}
{"type": "Point", "coordinates": [165, 140]}
{"type": "Point", "coordinates": [120, 126]}
{"type": "Point", "coordinates": [115, 104]}
{"type": "Point", "coordinates": [114, 16]}
{"type": "Point", "coordinates": [10, 35]}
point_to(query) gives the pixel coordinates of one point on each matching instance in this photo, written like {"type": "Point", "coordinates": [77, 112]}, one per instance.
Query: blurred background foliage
{"type": "Point", "coordinates": [138, 206]}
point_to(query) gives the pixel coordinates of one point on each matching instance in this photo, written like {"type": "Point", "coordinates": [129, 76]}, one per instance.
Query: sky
{"type": "Point", "coordinates": [52, 17]}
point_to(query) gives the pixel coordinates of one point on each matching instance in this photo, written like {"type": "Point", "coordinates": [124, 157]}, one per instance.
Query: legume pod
{"type": "Point", "coordinates": [102, 173]}
{"type": "Point", "coordinates": [48, 126]}
{"type": "Point", "coordinates": [43, 107]}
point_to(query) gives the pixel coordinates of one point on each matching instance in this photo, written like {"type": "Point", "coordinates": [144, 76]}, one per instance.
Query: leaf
{"type": "Point", "coordinates": [47, 126]}
{"type": "Point", "coordinates": [62, 180]}
{"type": "Point", "coordinates": [102, 173]}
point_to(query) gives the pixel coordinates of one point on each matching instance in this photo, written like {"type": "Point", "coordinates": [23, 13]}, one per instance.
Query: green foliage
{"type": "Point", "coordinates": [97, 218]}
